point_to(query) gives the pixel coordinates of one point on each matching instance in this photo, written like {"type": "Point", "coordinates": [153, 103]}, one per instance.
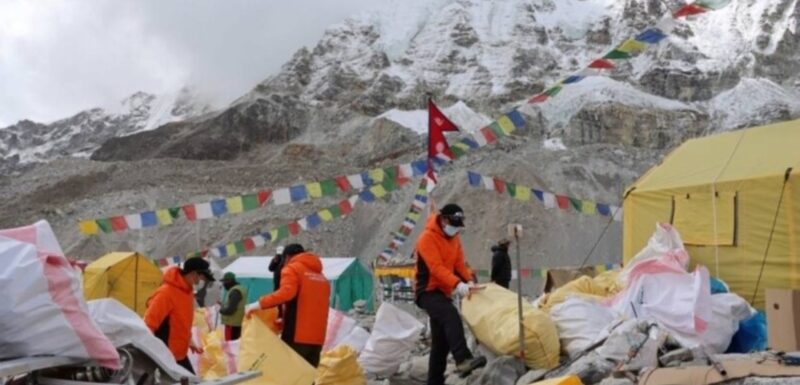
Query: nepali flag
{"type": "Point", "coordinates": [438, 149]}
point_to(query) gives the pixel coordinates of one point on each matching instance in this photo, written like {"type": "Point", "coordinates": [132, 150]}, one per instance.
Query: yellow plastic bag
{"type": "Point", "coordinates": [260, 349]}
{"type": "Point", "coordinates": [339, 366]}
{"type": "Point", "coordinates": [212, 363]}
{"type": "Point", "coordinates": [566, 380]}
{"type": "Point", "coordinates": [597, 288]}
{"type": "Point", "coordinates": [492, 315]}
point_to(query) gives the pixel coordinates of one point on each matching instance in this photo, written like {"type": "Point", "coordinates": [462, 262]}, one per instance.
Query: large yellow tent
{"type": "Point", "coordinates": [128, 277]}
{"type": "Point", "coordinates": [723, 195]}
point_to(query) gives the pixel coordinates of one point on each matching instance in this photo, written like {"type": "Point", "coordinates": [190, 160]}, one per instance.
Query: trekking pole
{"type": "Point", "coordinates": [516, 233]}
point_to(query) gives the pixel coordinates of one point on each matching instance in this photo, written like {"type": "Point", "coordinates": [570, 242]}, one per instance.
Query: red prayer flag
{"type": "Point", "coordinates": [345, 207]}
{"type": "Point", "coordinates": [190, 212]}
{"type": "Point", "coordinates": [538, 98]}
{"type": "Point", "coordinates": [603, 64]}
{"type": "Point", "coordinates": [119, 224]}
{"type": "Point", "coordinates": [343, 183]}
{"type": "Point", "coordinates": [294, 228]}
{"type": "Point", "coordinates": [263, 196]}
{"type": "Point", "coordinates": [563, 202]}
{"type": "Point", "coordinates": [249, 244]}
{"type": "Point", "coordinates": [499, 186]}
{"type": "Point", "coordinates": [689, 10]}
{"type": "Point", "coordinates": [488, 134]}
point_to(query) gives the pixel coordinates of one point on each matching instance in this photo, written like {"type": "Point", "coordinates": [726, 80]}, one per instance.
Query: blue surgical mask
{"type": "Point", "coordinates": [451, 231]}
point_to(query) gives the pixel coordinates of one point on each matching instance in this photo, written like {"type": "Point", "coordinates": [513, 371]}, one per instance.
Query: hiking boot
{"type": "Point", "coordinates": [465, 368]}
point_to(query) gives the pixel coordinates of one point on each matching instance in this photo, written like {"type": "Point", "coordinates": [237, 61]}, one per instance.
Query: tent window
{"type": "Point", "coordinates": [693, 215]}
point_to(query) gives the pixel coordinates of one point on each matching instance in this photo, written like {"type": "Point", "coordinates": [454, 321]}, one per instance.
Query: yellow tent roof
{"type": "Point", "coordinates": [759, 152]}
{"type": "Point", "coordinates": [110, 260]}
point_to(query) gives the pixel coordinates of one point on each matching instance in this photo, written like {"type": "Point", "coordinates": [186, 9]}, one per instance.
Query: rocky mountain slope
{"type": "Point", "coordinates": [27, 142]}
{"type": "Point", "coordinates": [356, 99]}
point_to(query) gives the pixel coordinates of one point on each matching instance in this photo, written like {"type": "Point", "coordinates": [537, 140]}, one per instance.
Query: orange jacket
{"type": "Point", "coordinates": [306, 294]}
{"type": "Point", "coordinates": [170, 312]}
{"type": "Point", "coordinates": [440, 260]}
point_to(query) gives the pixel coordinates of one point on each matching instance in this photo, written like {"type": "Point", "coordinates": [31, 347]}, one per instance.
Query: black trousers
{"type": "Point", "coordinates": [186, 365]}
{"type": "Point", "coordinates": [447, 334]}
{"type": "Point", "coordinates": [310, 353]}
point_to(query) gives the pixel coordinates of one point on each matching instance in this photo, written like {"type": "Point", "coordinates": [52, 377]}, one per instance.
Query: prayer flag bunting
{"type": "Point", "coordinates": [218, 207]}
{"type": "Point", "coordinates": [689, 10]}
{"type": "Point", "coordinates": [298, 193]}
{"type": "Point", "coordinates": [235, 205]}
{"type": "Point", "coordinates": [651, 36]}
{"type": "Point", "coordinates": [88, 227]}
{"type": "Point", "coordinates": [134, 221]}
{"type": "Point", "coordinates": [617, 54]}
{"type": "Point", "coordinates": [602, 64]}
{"type": "Point", "coordinates": [164, 217]}
{"type": "Point", "coordinates": [204, 211]}
{"type": "Point", "coordinates": [149, 219]}
{"type": "Point", "coordinates": [118, 224]}
{"type": "Point", "coordinates": [632, 46]}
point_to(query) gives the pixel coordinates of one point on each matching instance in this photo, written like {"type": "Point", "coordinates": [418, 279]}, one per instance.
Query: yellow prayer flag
{"type": "Point", "coordinates": [506, 124]}
{"type": "Point", "coordinates": [523, 193]}
{"type": "Point", "coordinates": [164, 218]}
{"type": "Point", "coordinates": [234, 205]}
{"type": "Point", "coordinates": [377, 175]}
{"type": "Point", "coordinates": [632, 46]}
{"type": "Point", "coordinates": [589, 207]}
{"type": "Point", "coordinates": [88, 227]}
{"type": "Point", "coordinates": [231, 249]}
{"type": "Point", "coordinates": [326, 215]}
{"type": "Point", "coordinates": [414, 216]}
{"type": "Point", "coordinates": [273, 235]}
{"type": "Point", "coordinates": [378, 191]}
{"type": "Point", "coordinates": [314, 190]}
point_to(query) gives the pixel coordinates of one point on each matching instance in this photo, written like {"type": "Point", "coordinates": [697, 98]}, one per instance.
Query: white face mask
{"type": "Point", "coordinates": [451, 231]}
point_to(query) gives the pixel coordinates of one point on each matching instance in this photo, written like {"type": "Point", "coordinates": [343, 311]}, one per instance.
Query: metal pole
{"type": "Point", "coordinates": [519, 300]}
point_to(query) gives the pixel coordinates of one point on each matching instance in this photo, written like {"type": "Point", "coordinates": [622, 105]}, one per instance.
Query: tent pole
{"type": "Point", "coordinates": [519, 299]}
{"type": "Point", "coordinates": [136, 285]}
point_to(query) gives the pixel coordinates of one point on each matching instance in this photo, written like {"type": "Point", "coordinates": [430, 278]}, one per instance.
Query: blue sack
{"type": "Point", "coordinates": [751, 336]}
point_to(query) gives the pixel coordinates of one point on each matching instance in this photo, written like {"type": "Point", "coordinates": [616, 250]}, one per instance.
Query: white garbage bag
{"type": "Point", "coordinates": [580, 322]}
{"type": "Point", "coordinates": [393, 336]}
{"type": "Point", "coordinates": [339, 326]}
{"type": "Point", "coordinates": [43, 311]}
{"type": "Point", "coordinates": [357, 339]}
{"type": "Point", "coordinates": [665, 241]}
{"type": "Point", "coordinates": [123, 327]}
{"type": "Point", "coordinates": [728, 310]}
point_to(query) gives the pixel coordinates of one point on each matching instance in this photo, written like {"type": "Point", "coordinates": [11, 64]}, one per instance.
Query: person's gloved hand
{"type": "Point", "coordinates": [462, 289]}
{"type": "Point", "coordinates": [251, 307]}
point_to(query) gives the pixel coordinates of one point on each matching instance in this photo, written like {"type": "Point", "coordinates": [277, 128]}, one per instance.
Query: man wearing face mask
{"type": "Point", "coordinates": [170, 310]}
{"type": "Point", "coordinates": [232, 310]}
{"type": "Point", "coordinates": [441, 271]}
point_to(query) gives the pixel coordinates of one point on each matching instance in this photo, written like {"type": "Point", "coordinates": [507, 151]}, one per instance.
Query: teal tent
{"type": "Point", "coordinates": [350, 280]}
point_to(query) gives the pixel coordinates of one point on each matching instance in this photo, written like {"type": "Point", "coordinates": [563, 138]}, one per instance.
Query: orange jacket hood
{"type": "Point", "coordinates": [308, 260]}
{"type": "Point", "coordinates": [174, 278]}
{"type": "Point", "coordinates": [440, 260]}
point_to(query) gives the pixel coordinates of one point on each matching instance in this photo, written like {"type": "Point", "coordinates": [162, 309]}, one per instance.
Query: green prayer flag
{"type": "Point", "coordinates": [576, 203]}
{"type": "Point", "coordinates": [712, 4]}
{"type": "Point", "coordinates": [250, 202]}
{"type": "Point", "coordinates": [457, 152]}
{"type": "Point", "coordinates": [283, 233]}
{"type": "Point", "coordinates": [328, 187]}
{"type": "Point", "coordinates": [389, 184]}
{"type": "Point", "coordinates": [104, 224]}
{"type": "Point", "coordinates": [617, 54]}
{"type": "Point", "coordinates": [511, 188]}
{"type": "Point", "coordinates": [553, 91]}
{"type": "Point", "coordinates": [391, 173]}
{"type": "Point", "coordinates": [498, 131]}
{"type": "Point", "coordinates": [174, 212]}
{"type": "Point", "coordinates": [239, 247]}
{"type": "Point", "coordinates": [335, 211]}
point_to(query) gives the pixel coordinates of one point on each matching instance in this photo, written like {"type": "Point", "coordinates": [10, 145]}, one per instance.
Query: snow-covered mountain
{"type": "Point", "coordinates": [729, 68]}
{"type": "Point", "coordinates": [79, 135]}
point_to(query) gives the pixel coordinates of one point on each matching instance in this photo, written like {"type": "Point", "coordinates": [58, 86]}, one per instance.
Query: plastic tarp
{"type": "Point", "coordinates": [356, 339]}
{"type": "Point", "coordinates": [580, 323]}
{"type": "Point", "coordinates": [43, 310]}
{"type": "Point", "coordinates": [212, 364]}
{"type": "Point", "coordinates": [260, 349]}
{"type": "Point", "coordinates": [124, 327]}
{"type": "Point", "coordinates": [492, 315]}
{"type": "Point", "coordinates": [339, 366]}
{"type": "Point", "coordinates": [727, 311]}
{"type": "Point", "coordinates": [394, 334]}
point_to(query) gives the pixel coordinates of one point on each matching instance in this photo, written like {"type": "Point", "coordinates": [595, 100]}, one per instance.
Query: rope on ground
{"type": "Point", "coordinates": [771, 232]}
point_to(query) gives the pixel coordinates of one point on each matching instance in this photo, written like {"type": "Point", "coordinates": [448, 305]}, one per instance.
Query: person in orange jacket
{"type": "Point", "coordinates": [440, 271]}
{"type": "Point", "coordinates": [170, 310]}
{"type": "Point", "coordinates": [305, 294]}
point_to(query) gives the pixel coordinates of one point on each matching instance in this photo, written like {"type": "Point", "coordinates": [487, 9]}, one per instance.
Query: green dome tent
{"type": "Point", "coordinates": [350, 280]}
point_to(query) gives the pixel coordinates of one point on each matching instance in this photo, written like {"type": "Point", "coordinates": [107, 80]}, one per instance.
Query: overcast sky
{"type": "Point", "coordinates": [58, 57]}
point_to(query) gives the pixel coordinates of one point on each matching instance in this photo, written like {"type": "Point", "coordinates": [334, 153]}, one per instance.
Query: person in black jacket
{"type": "Point", "coordinates": [501, 263]}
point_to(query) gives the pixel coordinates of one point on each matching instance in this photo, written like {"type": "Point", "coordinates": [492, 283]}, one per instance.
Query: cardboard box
{"type": "Point", "coordinates": [783, 319]}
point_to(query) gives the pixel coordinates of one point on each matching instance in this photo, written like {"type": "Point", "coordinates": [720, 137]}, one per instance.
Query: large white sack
{"type": "Point", "coordinates": [664, 241]}
{"type": "Point", "coordinates": [393, 336]}
{"type": "Point", "coordinates": [728, 310]}
{"type": "Point", "coordinates": [678, 301]}
{"type": "Point", "coordinates": [43, 311]}
{"type": "Point", "coordinates": [124, 327]}
{"type": "Point", "coordinates": [580, 322]}
{"type": "Point", "coordinates": [356, 339]}
{"type": "Point", "coordinates": [339, 326]}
